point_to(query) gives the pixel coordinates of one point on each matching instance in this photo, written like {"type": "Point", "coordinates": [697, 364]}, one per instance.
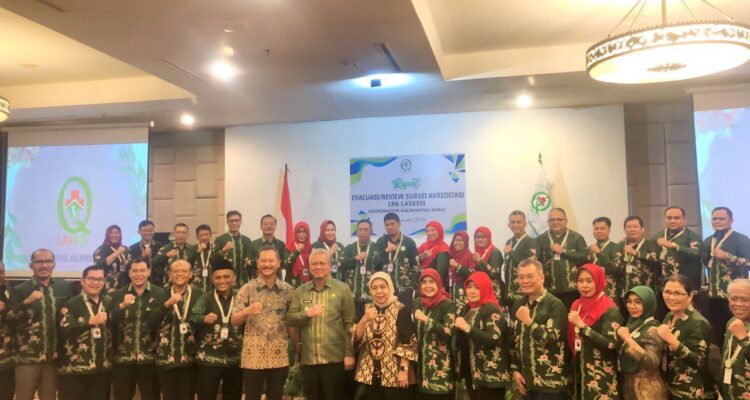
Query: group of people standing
{"type": "Point", "coordinates": [544, 317]}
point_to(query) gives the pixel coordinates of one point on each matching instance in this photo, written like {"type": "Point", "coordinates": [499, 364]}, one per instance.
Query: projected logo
{"type": "Point", "coordinates": [74, 205]}
{"type": "Point", "coordinates": [540, 202]}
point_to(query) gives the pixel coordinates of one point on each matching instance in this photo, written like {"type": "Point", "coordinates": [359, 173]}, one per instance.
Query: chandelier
{"type": "Point", "coordinates": [4, 109]}
{"type": "Point", "coordinates": [670, 51]}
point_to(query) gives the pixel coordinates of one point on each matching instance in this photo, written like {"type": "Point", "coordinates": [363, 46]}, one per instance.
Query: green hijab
{"type": "Point", "coordinates": [642, 324]}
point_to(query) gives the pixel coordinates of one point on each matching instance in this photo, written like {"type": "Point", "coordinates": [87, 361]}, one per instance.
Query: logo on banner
{"type": "Point", "coordinates": [74, 205]}
{"type": "Point", "coordinates": [406, 165]}
{"type": "Point", "coordinates": [540, 202]}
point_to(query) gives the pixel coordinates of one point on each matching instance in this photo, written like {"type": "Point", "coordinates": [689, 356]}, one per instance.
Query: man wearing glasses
{"type": "Point", "coordinates": [36, 304]}
{"type": "Point", "coordinates": [561, 252]}
{"type": "Point", "coordinates": [87, 342]}
{"type": "Point", "coordinates": [235, 247]}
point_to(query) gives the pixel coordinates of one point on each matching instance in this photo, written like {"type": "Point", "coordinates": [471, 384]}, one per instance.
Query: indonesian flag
{"type": "Point", "coordinates": [286, 208]}
{"type": "Point", "coordinates": [540, 202]}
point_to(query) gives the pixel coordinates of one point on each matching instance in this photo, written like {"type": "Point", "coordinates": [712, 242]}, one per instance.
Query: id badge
{"type": "Point", "coordinates": [630, 268]}
{"type": "Point", "coordinates": [556, 257]}
{"type": "Point", "coordinates": [305, 272]}
{"type": "Point", "coordinates": [390, 268]}
{"type": "Point", "coordinates": [96, 332]}
{"type": "Point", "coordinates": [183, 328]}
{"type": "Point", "coordinates": [204, 273]}
{"type": "Point", "coordinates": [578, 344]}
{"type": "Point", "coordinates": [224, 332]}
{"type": "Point", "coordinates": [727, 376]}
{"type": "Point", "coordinates": [334, 268]}
{"type": "Point", "coordinates": [362, 270]}
{"type": "Point", "coordinates": [122, 267]}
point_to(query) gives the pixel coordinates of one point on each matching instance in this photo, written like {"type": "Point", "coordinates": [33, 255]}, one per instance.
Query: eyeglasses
{"type": "Point", "coordinates": [744, 300]}
{"type": "Point", "coordinates": [95, 280]}
{"type": "Point", "coordinates": [40, 262]}
{"type": "Point", "coordinates": [556, 220]}
{"type": "Point", "coordinates": [526, 277]}
{"type": "Point", "coordinates": [668, 293]}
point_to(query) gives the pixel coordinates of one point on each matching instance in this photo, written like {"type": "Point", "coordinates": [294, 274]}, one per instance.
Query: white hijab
{"type": "Point", "coordinates": [387, 278]}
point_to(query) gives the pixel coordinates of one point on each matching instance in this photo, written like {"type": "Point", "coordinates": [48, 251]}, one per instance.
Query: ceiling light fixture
{"type": "Point", "coordinates": [187, 119]}
{"type": "Point", "coordinates": [670, 51]}
{"type": "Point", "coordinates": [524, 100]}
{"type": "Point", "coordinates": [222, 70]}
{"type": "Point", "coordinates": [383, 80]}
{"type": "Point", "coordinates": [4, 109]}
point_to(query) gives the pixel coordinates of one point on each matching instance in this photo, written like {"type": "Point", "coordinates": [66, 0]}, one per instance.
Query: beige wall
{"type": "Point", "coordinates": [661, 162]}
{"type": "Point", "coordinates": [186, 174]}
{"type": "Point", "coordinates": [186, 180]}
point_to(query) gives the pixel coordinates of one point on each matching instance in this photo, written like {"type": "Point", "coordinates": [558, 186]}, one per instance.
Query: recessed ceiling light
{"type": "Point", "coordinates": [151, 123]}
{"type": "Point", "coordinates": [228, 51]}
{"type": "Point", "coordinates": [222, 70]}
{"type": "Point", "coordinates": [524, 100]}
{"type": "Point", "coordinates": [187, 119]}
{"type": "Point", "coordinates": [383, 80]}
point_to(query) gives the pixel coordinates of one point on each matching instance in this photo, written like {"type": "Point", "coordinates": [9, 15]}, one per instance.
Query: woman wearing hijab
{"type": "Point", "coordinates": [434, 252]}
{"type": "Point", "coordinates": [640, 348]}
{"type": "Point", "coordinates": [687, 336]}
{"type": "Point", "coordinates": [483, 338]}
{"type": "Point", "coordinates": [592, 322]}
{"type": "Point", "coordinates": [462, 264]}
{"type": "Point", "coordinates": [300, 266]}
{"type": "Point", "coordinates": [435, 316]}
{"type": "Point", "coordinates": [488, 258]}
{"type": "Point", "coordinates": [386, 340]}
{"type": "Point", "coordinates": [114, 258]}
{"type": "Point", "coordinates": [327, 240]}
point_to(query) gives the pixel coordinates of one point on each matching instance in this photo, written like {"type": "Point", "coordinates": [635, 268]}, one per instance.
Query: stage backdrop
{"type": "Point", "coordinates": [419, 188]}
{"type": "Point", "coordinates": [583, 152]}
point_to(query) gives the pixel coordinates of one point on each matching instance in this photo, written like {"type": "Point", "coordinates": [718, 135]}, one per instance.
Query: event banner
{"type": "Point", "coordinates": [419, 188]}
{"type": "Point", "coordinates": [63, 198]}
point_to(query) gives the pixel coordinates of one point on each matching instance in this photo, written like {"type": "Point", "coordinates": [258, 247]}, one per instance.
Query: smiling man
{"type": "Point", "coordinates": [86, 361]}
{"type": "Point", "coordinates": [219, 343]}
{"type": "Point", "coordinates": [177, 249]}
{"type": "Point", "coordinates": [323, 309]}
{"type": "Point", "coordinates": [36, 304]}
{"type": "Point", "coordinates": [147, 248]}
{"type": "Point", "coordinates": [561, 252]}
{"type": "Point", "coordinates": [398, 257]}
{"type": "Point", "coordinates": [736, 355]}
{"type": "Point", "coordinates": [538, 322]}
{"type": "Point", "coordinates": [725, 256]}
{"type": "Point", "coordinates": [678, 253]}
{"type": "Point", "coordinates": [175, 351]}
{"type": "Point", "coordinates": [235, 247]}
{"type": "Point", "coordinates": [136, 315]}
{"type": "Point", "coordinates": [262, 304]}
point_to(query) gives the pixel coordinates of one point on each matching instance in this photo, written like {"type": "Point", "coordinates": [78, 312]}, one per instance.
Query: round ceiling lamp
{"type": "Point", "coordinates": [669, 52]}
{"type": "Point", "coordinates": [4, 109]}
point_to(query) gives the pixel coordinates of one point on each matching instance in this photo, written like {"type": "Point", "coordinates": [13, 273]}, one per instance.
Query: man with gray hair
{"type": "Point", "coordinates": [35, 305]}
{"type": "Point", "coordinates": [538, 327]}
{"type": "Point", "coordinates": [323, 309]}
{"type": "Point", "coordinates": [735, 383]}
{"type": "Point", "coordinates": [518, 248]}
